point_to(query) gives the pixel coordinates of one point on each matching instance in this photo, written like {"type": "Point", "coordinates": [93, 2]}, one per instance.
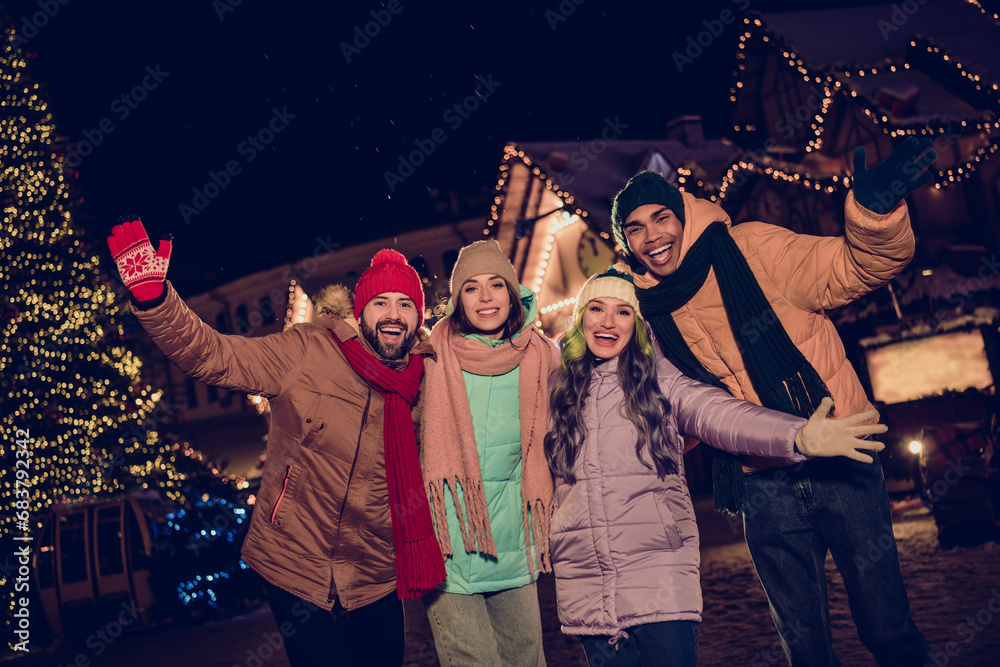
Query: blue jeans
{"type": "Point", "coordinates": [665, 644]}
{"type": "Point", "coordinates": [795, 515]}
{"type": "Point", "coordinates": [501, 629]}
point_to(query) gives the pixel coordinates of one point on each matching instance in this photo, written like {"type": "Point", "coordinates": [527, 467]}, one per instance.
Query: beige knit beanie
{"type": "Point", "coordinates": [611, 283]}
{"type": "Point", "coordinates": [482, 257]}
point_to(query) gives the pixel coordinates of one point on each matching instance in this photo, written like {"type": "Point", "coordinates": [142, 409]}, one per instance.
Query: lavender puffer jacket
{"type": "Point", "coordinates": [624, 543]}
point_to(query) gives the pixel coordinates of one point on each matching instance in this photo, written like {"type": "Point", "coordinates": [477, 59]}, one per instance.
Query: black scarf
{"type": "Point", "coordinates": [782, 377]}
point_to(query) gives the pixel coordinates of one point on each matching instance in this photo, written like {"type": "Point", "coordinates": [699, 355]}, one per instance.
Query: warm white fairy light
{"type": "Point", "coordinates": [891, 126]}
{"type": "Point", "coordinates": [512, 152]}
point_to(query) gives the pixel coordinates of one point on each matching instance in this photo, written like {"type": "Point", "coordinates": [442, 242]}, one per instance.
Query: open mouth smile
{"type": "Point", "coordinates": [391, 333]}
{"type": "Point", "coordinates": [662, 254]}
{"type": "Point", "coordinates": [605, 339]}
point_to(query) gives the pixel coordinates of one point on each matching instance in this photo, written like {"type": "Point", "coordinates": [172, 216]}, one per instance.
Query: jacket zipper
{"type": "Point", "coordinates": [354, 463]}
{"type": "Point", "coordinates": [284, 486]}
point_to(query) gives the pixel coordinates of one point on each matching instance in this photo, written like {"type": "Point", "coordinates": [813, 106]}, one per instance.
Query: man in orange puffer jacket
{"type": "Point", "coordinates": [743, 309]}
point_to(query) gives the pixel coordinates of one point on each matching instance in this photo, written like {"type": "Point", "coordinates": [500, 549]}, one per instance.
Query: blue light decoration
{"type": "Point", "coordinates": [190, 591]}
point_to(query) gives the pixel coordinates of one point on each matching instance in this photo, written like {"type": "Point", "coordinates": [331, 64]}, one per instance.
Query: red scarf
{"type": "Point", "coordinates": [419, 563]}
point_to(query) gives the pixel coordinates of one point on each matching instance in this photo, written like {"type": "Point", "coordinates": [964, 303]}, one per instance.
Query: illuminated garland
{"type": "Point", "coordinates": [979, 6]}
{"type": "Point", "coordinates": [893, 127]}
{"type": "Point", "coordinates": [765, 166]}
{"type": "Point", "coordinates": [510, 152]}
{"type": "Point", "coordinates": [571, 214]}
{"type": "Point", "coordinates": [298, 309]}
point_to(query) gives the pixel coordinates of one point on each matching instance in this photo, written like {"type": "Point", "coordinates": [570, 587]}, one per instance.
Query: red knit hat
{"type": "Point", "coordinates": [389, 272]}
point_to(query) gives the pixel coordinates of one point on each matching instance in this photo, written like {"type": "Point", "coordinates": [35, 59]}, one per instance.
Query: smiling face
{"type": "Point", "coordinates": [389, 323]}
{"type": "Point", "coordinates": [608, 324]}
{"type": "Point", "coordinates": [654, 234]}
{"type": "Point", "coordinates": [485, 302]}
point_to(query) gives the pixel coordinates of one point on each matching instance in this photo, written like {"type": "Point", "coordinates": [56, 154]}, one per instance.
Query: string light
{"type": "Point", "coordinates": [922, 51]}
{"type": "Point", "coordinates": [512, 153]}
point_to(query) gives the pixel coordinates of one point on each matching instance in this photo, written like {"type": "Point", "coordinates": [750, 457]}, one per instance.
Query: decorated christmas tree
{"type": "Point", "coordinates": [77, 419]}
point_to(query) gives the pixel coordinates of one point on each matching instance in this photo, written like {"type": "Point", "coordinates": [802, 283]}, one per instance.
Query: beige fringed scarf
{"type": "Point", "coordinates": [448, 440]}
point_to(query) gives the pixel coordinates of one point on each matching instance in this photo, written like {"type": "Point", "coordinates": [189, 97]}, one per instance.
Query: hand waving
{"type": "Point", "coordinates": [839, 437]}
{"type": "Point", "coordinates": [142, 270]}
{"type": "Point", "coordinates": [881, 188]}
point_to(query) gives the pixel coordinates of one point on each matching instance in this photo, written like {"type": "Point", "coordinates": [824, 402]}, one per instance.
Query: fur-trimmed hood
{"type": "Point", "coordinates": [334, 299]}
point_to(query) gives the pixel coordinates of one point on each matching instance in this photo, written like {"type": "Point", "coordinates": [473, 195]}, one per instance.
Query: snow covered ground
{"type": "Point", "coordinates": [949, 590]}
{"type": "Point", "coordinates": [950, 594]}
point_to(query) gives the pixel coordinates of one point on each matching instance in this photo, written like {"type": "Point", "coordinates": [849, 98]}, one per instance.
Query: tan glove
{"type": "Point", "coordinates": [839, 437]}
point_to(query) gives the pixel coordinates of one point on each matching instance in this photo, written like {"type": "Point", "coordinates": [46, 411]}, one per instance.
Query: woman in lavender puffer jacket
{"type": "Point", "coordinates": [623, 538]}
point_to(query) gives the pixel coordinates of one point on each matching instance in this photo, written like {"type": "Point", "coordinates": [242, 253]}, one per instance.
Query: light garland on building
{"type": "Point", "coordinates": [891, 126]}
{"type": "Point", "coordinates": [512, 152]}
{"type": "Point", "coordinates": [979, 6]}
{"type": "Point", "coordinates": [571, 214]}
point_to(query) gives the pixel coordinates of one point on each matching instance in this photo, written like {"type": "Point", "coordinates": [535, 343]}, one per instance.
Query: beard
{"type": "Point", "coordinates": [390, 352]}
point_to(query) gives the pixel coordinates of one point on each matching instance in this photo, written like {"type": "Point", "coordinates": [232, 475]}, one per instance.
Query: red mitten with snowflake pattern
{"type": "Point", "coordinates": [142, 270]}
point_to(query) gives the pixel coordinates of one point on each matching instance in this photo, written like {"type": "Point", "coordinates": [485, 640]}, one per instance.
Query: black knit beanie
{"type": "Point", "coordinates": [646, 187]}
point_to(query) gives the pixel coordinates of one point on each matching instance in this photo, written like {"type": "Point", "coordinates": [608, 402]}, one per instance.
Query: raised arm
{"type": "Point", "coordinates": [816, 272]}
{"type": "Point", "coordinates": [252, 365]}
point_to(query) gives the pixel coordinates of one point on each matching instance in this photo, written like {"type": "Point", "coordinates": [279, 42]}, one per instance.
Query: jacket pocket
{"type": "Point", "coordinates": [672, 533]}
{"type": "Point", "coordinates": [315, 421]}
{"type": "Point", "coordinates": [280, 510]}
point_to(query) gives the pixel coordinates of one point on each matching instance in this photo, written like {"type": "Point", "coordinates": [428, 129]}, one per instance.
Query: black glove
{"type": "Point", "coordinates": [881, 189]}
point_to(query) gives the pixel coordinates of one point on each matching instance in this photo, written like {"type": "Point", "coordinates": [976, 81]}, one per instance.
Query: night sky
{"type": "Point", "coordinates": [299, 118]}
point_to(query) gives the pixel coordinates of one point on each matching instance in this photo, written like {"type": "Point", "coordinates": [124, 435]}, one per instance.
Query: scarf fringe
{"type": "Point", "coordinates": [449, 453]}
{"type": "Point", "coordinates": [425, 572]}
{"type": "Point", "coordinates": [473, 521]}
{"type": "Point", "coordinates": [728, 483]}
{"type": "Point", "coordinates": [538, 530]}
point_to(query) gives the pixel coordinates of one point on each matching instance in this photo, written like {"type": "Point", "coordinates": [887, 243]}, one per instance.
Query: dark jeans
{"type": "Point", "coordinates": [314, 637]}
{"type": "Point", "coordinates": [795, 515]}
{"type": "Point", "coordinates": [666, 644]}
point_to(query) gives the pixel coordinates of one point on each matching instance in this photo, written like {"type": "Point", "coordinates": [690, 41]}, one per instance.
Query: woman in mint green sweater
{"type": "Point", "coordinates": [485, 415]}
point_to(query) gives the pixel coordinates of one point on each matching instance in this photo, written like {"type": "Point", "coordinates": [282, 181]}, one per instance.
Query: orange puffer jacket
{"type": "Point", "coordinates": [801, 276]}
{"type": "Point", "coordinates": [320, 528]}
